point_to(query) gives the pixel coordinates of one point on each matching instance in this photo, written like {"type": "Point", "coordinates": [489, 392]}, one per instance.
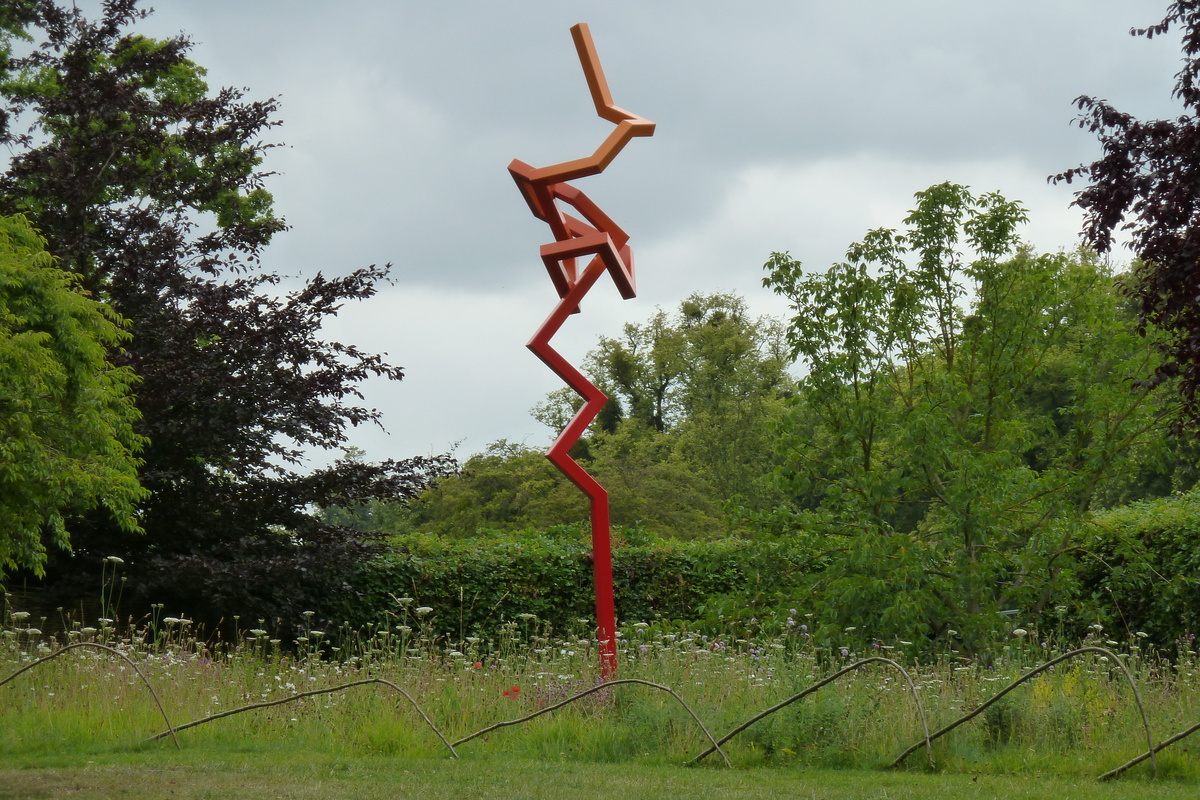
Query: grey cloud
{"type": "Point", "coordinates": [783, 124]}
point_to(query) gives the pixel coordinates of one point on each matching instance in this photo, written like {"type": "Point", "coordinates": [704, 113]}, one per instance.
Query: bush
{"type": "Point", "coordinates": [1141, 570]}
{"type": "Point", "coordinates": [473, 585]}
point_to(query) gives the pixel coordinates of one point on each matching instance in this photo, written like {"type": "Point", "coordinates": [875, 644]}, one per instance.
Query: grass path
{"type": "Point", "coordinates": [199, 773]}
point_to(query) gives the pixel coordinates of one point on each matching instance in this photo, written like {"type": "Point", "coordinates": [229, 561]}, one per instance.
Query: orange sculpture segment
{"type": "Point", "coordinates": [591, 233]}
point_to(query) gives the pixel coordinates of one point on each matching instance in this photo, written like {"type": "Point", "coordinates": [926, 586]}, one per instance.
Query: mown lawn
{"type": "Point", "coordinates": [199, 773]}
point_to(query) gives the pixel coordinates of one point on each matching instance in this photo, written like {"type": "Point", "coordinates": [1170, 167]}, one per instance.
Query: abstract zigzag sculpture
{"type": "Point", "coordinates": [593, 234]}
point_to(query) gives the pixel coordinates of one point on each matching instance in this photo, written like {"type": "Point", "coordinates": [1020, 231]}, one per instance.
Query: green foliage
{"type": "Point", "coordinates": [916, 445]}
{"type": "Point", "coordinates": [698, 361]}
{"type": "Point", "coordinates": [1141, 570]}
{"type": "Point", "coordinates": [651, 483]}
{"type": "Point", "coordinates": [506, 487]}
{"type": "Point", "coordinates": [66, 414]}
{"type": "Point", "coordinates": [654, 482]}
{"type": "Point", "coordinates": [150, 187]}
{"type": "Point", "coordinates": [683, 446]}
{"type": "Point", "coordinates": [251, 693]}
{"type": "Point", "coordinates": [709, 375]}
{"type": "Point", "coordinates": [475, 585]}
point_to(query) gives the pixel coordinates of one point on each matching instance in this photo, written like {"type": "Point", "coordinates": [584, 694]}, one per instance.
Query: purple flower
{"type": "Point", "coordinates": [803, 627]}
{"type": "Point", "coordinates": [845, 652]}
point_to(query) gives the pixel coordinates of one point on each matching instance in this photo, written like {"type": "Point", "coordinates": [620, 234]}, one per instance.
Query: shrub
{"type": "Point", "coordinates": [476, 584]}
{"type": "Point", "coordinates": [1141, 571]}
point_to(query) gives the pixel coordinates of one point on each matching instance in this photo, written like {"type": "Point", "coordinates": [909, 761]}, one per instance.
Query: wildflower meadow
{"type": "Point", "coordinates": [533, 693]}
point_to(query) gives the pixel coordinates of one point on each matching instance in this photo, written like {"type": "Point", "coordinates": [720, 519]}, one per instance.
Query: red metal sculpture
{"type": "Point", "coordinates": [593, 234]}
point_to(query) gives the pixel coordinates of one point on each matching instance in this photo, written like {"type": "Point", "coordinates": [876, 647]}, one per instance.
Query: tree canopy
{"type": "Point", "coordinates": [1146, 182]}
{"type": "Point", "coordinates": [921, 450]}
{"type": "Point", "coordinates": [67, 443]}
{"type": "Point", "coordinates": [683, 444]}
{"type": "Point", "coordinates": [150, 188]}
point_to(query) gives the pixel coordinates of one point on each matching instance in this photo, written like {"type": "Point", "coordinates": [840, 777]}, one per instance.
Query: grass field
{"type": "Point", "coordinates": [79, 724]}
{"type": "Point", "coordinates": [264, 772]}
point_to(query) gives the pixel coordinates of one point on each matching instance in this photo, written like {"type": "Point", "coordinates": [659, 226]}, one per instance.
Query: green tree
{"type": "Point", "coordinates": [682, 446]}
{"type": "Point", "coordinates": [513, 487]}
{"type": "Point", "coordinates": [943, 497]}
{"type": "Point", "coordinates": [150, 187]}
{"type": "Point", "coordinates": [708, 377]}
{"type": "Point", "coordinates": [506, 487]}
{"type": "Point", "coordinates": [699, 360]}
{"type": "Point", "coordinates": [67, 443]}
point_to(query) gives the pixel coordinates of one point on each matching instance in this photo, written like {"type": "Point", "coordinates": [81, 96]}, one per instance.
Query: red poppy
{"type": "Point", "coordinates": [513, 692]}
{"type": "Point", "coordinates": [478, 665]}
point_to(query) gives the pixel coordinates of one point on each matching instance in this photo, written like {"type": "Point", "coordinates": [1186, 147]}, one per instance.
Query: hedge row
{"type": "Point", "coordinates": [1141, 569]}
{"type": "Point", "coordinates": [473, 585]}
{"type": "Point", "coordinates": [1138, 571]}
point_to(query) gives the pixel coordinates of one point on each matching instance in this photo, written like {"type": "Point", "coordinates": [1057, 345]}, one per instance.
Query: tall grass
{"type": "Point", "coordinates": [1076, 719]}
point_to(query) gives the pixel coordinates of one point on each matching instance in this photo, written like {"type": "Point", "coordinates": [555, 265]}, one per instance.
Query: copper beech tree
{"type": "Point", "coordinates": [150, 188]}
{"type": "Point", "coordinates": [1148, 182]}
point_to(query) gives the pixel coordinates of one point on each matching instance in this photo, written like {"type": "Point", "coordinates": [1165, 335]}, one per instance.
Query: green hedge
{"type": "Point", "coordinates": [1141, 571]}
{"type": "Point", "coordinates": [475, 584]}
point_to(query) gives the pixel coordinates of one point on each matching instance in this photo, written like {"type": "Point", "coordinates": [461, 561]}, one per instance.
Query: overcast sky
{"type": "Point", "coordinates": [791, 126]}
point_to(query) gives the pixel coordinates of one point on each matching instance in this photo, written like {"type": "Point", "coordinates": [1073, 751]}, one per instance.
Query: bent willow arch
{"type": "Point", "coordinates": [590, 233]}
